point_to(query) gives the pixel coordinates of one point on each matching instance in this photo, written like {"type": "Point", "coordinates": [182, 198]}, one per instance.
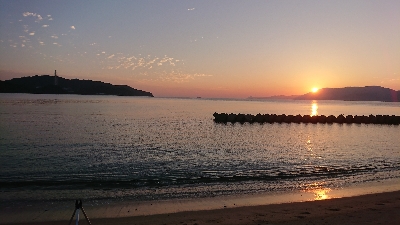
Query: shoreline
{"type": "Point", "coordinates": [379, 208]}
{"type": "Point", "coordinates": [383, 197]}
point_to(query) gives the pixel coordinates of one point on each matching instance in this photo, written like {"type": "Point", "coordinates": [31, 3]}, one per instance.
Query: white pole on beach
{"type": "Point", "coordinates": [77, 217]}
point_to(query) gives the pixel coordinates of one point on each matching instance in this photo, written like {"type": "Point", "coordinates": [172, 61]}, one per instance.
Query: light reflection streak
{"type": "Point", "coordinates": [317, 189]}
{"type": "Point", "coordinates": [310, 149]}
{"type": "Point", "coordinates": [314, 108]}
{"type": "Point", "coordinates": [321, 194]}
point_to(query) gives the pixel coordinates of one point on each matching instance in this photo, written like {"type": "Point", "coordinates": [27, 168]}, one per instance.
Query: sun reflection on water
{"type": "Point", "coordinates": [314, 108]}
{"type": "Point", "coordinates": [318, 190]}
{"type": "Point", "coordinates": [321, 194]}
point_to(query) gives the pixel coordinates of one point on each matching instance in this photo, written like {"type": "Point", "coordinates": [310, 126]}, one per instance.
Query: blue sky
{"type": "Point", "coordinates": [205, 48]}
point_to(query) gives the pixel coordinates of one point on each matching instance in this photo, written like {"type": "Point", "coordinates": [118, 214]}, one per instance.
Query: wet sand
{"type": "Point", "coordinates": [382, 208]}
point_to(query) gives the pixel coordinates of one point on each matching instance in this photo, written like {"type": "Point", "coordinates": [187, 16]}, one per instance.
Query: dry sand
{"type": "Point", "coordinates": [383, 208]}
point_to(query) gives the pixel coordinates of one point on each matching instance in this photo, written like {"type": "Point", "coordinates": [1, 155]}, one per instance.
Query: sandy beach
{"type": "Point", "coordinates": [381, 208]}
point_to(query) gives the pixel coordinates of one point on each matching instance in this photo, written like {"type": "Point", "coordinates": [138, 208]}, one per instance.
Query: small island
{"type": "Point", "coordinates": [46, 84]}
{"type": "Point", "coordinates": [367, 93]}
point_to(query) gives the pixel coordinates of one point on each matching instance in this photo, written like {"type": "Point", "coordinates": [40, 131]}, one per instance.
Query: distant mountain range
{"type": "Point", "coordinates": [46, 84]}
{"type": "Point", "coordinates": [368, 93]}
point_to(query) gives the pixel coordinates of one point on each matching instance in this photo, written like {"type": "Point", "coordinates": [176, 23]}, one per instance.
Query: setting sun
{"type": "Point", "coordinates": [314, 89]}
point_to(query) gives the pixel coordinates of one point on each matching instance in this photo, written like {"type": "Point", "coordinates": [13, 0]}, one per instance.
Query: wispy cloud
{"type": "Point", "coordinates": [160, 68]}
{"type": "Point", "coordinates": [169, 60]}
{"type": "Point", "coordinates": [24, 40]}
{"type": "Point", "coordinates": [139, 63]}
{"type": "Point", "coordinates": [33, 29]}
{"type": "Point", "coordinates": [178, 76]}
{"type": "Point", "coordinates": [37, 16]}
{"type": "Point", "coordinates": [26, 30]}
{"type": "Point", "coordinates": [174, 76]}
{"type": "Point", "coordinates": [191, 9]}
{"type": "Point", "coordinates": [28, 14]}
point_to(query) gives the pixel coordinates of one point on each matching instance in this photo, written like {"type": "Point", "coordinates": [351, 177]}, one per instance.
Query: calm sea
{"type": "Point", "coordinates": [62, 147]}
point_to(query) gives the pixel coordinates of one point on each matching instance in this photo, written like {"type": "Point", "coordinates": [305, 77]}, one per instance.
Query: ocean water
{"type": "Point", "coordinates": [64, 147]}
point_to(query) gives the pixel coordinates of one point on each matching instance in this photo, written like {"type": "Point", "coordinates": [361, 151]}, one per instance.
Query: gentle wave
{"type": "Point", "coordinates": [181, 178]}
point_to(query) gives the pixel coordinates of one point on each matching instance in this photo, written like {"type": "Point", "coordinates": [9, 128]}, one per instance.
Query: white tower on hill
{"type": "Point", "coordinates": [55, 78]}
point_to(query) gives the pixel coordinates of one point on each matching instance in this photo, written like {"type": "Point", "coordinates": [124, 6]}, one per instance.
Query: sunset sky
{"type": "Point", "coordinates": [230, 48]}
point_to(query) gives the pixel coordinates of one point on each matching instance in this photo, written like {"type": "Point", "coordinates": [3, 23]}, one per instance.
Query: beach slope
{"type": "Point", "coordinates": [382, 208]}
